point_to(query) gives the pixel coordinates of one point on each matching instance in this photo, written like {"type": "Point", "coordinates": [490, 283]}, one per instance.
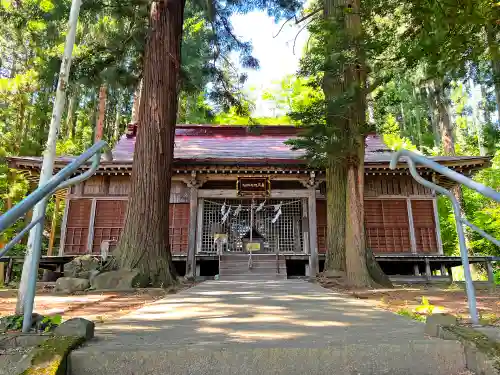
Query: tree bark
{"type": "Point", "coordinates": [336, 121]}
{"type": "Point", "coordinates": [116, 127]}
{"type": "Point", "coordinates": [102, 113]}
{"type": "Point", "coordinates": [495, 62]}
{"type": "Point", "coordinates": [356, 268]}
{"type": "Point", "coordinates": [336, 214]}
{"type": "Point", "coordinates": [70, 120]}
{"type": "Point", "coordinates": [144, 244]}
{"type": "Point", "coordinates": [137, 103]}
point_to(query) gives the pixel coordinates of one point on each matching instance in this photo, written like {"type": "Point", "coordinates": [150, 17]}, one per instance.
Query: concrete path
{"type": "Point", "coordinates": [270, 324]}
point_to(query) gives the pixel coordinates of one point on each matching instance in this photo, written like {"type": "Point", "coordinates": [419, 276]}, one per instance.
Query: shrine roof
{"type": "Point", "coordinates": [236, 143]}
{"type": "Point", "coordinates": [233, 146]}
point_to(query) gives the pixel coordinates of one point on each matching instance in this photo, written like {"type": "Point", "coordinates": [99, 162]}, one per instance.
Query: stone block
{"type": "Point", "coordinates": [119, 280]}
{"type": "Point", "coordinates": [71, 285]}
{"type": "Point", "coordinates": [78, 327]}
{"type": "Point", "coordinates": [81, 266]}
{"type": "Point", "coordinates": [433, 322]}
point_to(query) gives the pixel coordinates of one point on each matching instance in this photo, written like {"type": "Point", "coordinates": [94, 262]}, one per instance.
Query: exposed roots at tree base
{"type": "Point", "coordinates": [160, 272]}
{"type": "Point", "coordinates": [338, 279]}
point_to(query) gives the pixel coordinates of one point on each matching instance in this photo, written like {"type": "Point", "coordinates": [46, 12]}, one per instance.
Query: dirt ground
{"type": "Point", "coordinates": [97, 306]}
{"type": "Point", "coordinates": [449, 299]}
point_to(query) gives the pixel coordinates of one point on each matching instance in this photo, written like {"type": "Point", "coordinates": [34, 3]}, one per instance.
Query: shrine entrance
{"type": "Point", "coordinates": [255, 225]}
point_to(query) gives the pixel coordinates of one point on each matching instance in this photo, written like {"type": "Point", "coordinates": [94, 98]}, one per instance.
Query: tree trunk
{"type": "Point", "coordinates": [336, 214]}
{"type": "Point", "coordinates": [144, 243]}
{"type": "Point", "coordinates": [356, 268]}
{"type": "Point", "coordinates": [480, 128]}
{"type": "Point", "coordinates": [336, 121]}
{"type": "Point", "coordinates": [70, 120]}
{"type": "Point", "coordinates": [495, 62]}
{"type": "Point", "coordinates": [137, 103]}
{"type": "Point", "coordinates": [99, 131]}
{"type": "Point", "coordinates": [116, 127]}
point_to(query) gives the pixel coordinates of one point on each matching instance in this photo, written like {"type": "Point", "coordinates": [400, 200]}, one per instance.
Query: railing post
{"type": "Point", "coordinates": [30, 267]}
{"type": "Point", "coordinates": [411, 159]}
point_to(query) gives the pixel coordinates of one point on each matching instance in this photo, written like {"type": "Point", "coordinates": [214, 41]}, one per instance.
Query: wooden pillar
{"type": "Point", "coordinates": [8, 274]}
{"type": "Point", "coordinates": [53, 226]}
{"type": "Point", "coordinates": [193, 214]}
{"type": "Point", "coordinates": [313, 232]}
{"type": "Point", "coordinates": [90, 238]}
{"type": "Point", "coordinates": [416, 270]}
{"type": "Point", "coordinates": [491, 276]}
{"type": "Point", "coordinates": [199, 226]}
{"type": "Point", "coordinates": [413, 240]}
{"type": "Point", "coordinates": [450, 274]}
{"type": "Point", "coordinates": [428, 272]}
{"type": "Point", "coordinates": [443, 270]}
{"type": "Point", "coordinates": [438, 227]}
{"type": "Point", "coordinates": [63, 227]}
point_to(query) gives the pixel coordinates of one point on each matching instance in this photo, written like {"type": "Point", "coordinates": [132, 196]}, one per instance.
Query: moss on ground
{"type": "Point", "coordinates": [49, 357]}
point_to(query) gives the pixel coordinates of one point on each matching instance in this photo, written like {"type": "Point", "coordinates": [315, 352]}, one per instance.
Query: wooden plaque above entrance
{"type": "Point", "coordinates": [253, 186]}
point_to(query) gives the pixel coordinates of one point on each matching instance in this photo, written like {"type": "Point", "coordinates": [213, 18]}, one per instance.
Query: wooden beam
{"type": "Point", "coordinates": [193, 215]}
{"type": "Point", "coordinates": [413, 239]}
{"type": "Point", "coordinates": [233, 194]}
{"type": "Point", "coordinates": [53, 226]}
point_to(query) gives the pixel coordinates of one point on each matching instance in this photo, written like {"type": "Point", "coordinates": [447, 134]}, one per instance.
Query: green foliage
{"type": "Point", "coordinates": [45, 324]}
{"type": "Point", "coordinates": [412, 315]}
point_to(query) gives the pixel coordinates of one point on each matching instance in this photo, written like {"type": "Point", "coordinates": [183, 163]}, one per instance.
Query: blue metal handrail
{"type": "Point", "coordinates": [57, 182]}
{"type": "Point", "coordinates": [411, 158]}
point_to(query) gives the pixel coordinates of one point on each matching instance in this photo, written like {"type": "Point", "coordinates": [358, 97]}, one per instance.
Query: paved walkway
{"type": "Point", "coordinates": [288, 314]}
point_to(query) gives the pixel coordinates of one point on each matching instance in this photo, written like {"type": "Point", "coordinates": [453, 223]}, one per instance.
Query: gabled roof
{"type": "Point", "coordinates": [235, 143]}
{"type": "Point", "coordinates": [229, 146]}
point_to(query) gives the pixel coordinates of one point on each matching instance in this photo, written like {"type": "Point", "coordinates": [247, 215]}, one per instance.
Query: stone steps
{"type": "Point", "coordinates": [424, 357]}
{"type": "Point", "coordinates": [264, 267]}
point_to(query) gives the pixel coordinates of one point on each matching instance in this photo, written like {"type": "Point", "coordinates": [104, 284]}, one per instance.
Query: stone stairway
{"type": "Point", "coordinates": [264, 267]}
{"type": "Point", "coordinates": [279, 327]}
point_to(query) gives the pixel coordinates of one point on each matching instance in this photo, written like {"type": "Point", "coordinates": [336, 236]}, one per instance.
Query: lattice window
{"type": "Point", "coordinates": [425, 226]}
{"type": "Point", "coordinates": [179, 227]}
{"type": "Point", "coordinates": [285, 234]}
{"type": "Point", "coordinates": [77, 226]}
{"type": "Point", "coordinates": [108, 223]}
{"type": "Point", "coordinates": [387, 227]}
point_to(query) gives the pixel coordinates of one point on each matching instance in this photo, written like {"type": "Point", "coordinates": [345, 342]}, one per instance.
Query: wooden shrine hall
{"type": "Point", "coordinates": [238, 190]}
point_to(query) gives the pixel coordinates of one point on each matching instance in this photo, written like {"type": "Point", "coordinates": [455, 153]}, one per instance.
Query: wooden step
{"type": "Point", "coordinates": [264, 267]}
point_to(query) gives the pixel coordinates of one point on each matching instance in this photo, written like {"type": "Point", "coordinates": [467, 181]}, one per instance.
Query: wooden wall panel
{"type": "Point", "coordinates": [425, 226]}
{"type": "Point", "coordinates": [179, 192]}
{"type": "Point", "coordinates": [321, 224]}
{"type": "Point", "coordinates": [119, 185]}
{"type": "Point", "coordinates": [386, 225]}
{"type": "Point", "coordinates": [77, 226]}
{"type": "Point", "coordinates": [179, 227]}
{"type": "Point", "coordinates": [94, 186]}
{"type": "Point", "coordinates": [377, 185]}
{"type": "Point", "coordinates": [108, 223]}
